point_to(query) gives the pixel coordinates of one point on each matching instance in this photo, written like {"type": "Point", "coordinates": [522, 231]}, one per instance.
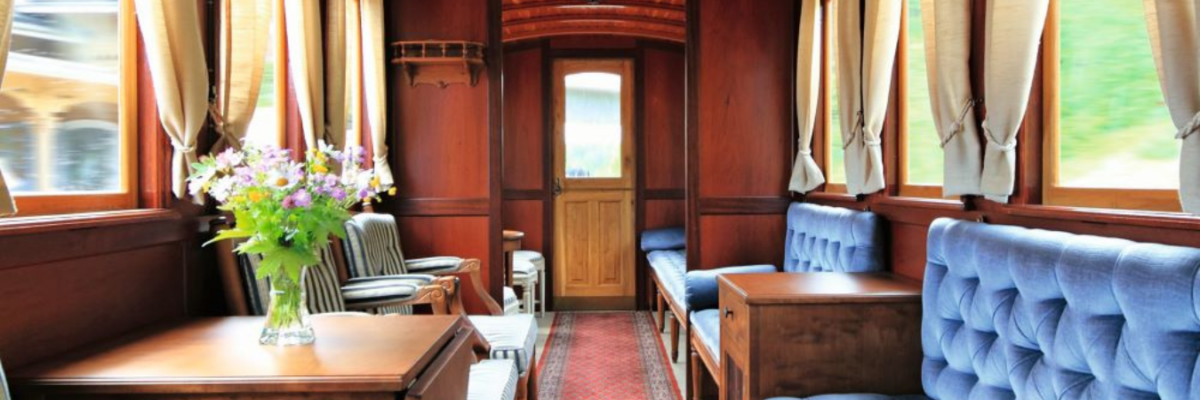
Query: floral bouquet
{"type": "Point", "coordinates": [286, 211]}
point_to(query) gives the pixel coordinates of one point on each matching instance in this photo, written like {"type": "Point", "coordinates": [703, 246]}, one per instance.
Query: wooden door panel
{"type": "Point", "coordinates": [594, 216]}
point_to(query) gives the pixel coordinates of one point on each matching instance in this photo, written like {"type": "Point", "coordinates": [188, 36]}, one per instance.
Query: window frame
{"type": "Point", "coordinates": [907, 189]}
{"type": "Point", "coordinates": [1055, 194]}
{"type": "Point", "coordinates": [41, 204]}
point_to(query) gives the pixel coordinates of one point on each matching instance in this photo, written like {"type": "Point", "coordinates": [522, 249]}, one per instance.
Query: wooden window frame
{"type": "Point", "coordinates": [1054, 193]}
{"type": "Point", "coordinates": [127, 125]}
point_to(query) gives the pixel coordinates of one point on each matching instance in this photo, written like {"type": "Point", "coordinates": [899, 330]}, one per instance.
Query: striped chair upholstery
{"type": "Point", "coordinates": [512, 337]}
{"type": "Point", "coordinates": [4, 395]}
{"type": "Point", "coordinates": [325, 293]}
{"type": "Point", "coordinates": [373, 250]}
{"type": "Point", "coordinates": [492, 380]}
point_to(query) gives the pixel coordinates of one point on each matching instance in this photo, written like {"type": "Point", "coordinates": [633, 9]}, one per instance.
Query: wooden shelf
{"type": "Point", "coordinates": [439, 62]}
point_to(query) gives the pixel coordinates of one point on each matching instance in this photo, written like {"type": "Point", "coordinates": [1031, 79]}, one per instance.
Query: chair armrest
{"type": "Point", "coordinates": [701, 285]}
{"type": "Point", "coordinates": [379, 291]}
{"type": "Point", "coordinates": [435, 265]}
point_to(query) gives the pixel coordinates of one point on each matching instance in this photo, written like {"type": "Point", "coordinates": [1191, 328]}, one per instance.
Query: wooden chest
{"type": "Point", "coordinates": [804, 334]}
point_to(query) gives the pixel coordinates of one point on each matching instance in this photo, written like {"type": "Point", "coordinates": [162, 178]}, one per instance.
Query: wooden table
{"type": "Point", "coordinates": [354, 357]}
{"type": "Point", "coordinates": [805, 334]}
{"type": "Point", "coordinates": [512, 243]}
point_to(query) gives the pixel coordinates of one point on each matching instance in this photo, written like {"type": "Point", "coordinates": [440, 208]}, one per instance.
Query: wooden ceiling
{"type": "Point", "coordinates": [654, 19]}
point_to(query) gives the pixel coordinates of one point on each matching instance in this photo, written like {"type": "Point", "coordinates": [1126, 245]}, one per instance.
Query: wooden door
{"type": "Point", "coordinates": [594, 184]}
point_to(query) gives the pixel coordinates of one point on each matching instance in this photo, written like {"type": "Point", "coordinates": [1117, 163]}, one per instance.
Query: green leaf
{"type": "Point", "coordinates": [234, 233]}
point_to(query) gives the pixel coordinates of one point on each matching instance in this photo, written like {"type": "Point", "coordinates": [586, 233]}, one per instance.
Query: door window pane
{"type": "Point", "coordinates": [1115, 131]}
{"type": "Point", "coordinates": [593, 125]}
{"type": "Point", "coordinates": [58, 102]}
{"type": "Point", "coordinates": [924, 146]}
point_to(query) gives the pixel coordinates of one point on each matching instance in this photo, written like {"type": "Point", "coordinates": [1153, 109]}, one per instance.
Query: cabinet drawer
{"type": "Point", "coordinates": [735, 326]}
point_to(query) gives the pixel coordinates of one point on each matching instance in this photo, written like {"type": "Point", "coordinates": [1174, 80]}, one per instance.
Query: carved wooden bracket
{"type": "Point", "coordinates": [439, 62]}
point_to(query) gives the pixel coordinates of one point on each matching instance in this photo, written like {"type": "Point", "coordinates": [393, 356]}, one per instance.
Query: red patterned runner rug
{"type": "Point", "coordinates": [605, 356]}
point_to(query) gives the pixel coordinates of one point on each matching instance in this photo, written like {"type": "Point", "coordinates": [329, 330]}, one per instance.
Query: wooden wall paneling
{"type": "Point", "coordinates": [741, 130]}
{"type": "Point", "coordinates": [527, 216]}
{"type": "Point", "coordinates": [644, 295]}
{"type": "Point", "coordinates": [593, 42]}
{"type": "Point", "coordinates": [742, 240]}
{"type": "Point", "coordinates": [445, 142]}
{"type": "Point", "coordinates": [663, 118]}
{"type": "Point", "coordinates": [665, 213]}
{"type": "Point", "coordinates": [523, 121]}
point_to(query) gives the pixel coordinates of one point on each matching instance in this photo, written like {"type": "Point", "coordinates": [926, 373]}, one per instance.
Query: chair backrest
{"type": "Point", "coordinates": [833, 239]}
{"type": "Point", "coordinates": [324, 290]}
{"type": "Point", "coordinates": [1030, 314]}
{"type": "Point", "coordinates": [247, 295]}
{"type": "Point", "coordinates": [373, 246]}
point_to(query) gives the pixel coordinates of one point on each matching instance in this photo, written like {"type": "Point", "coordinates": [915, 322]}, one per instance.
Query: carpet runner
{"type": "Point", "coordinates": [605, 356]}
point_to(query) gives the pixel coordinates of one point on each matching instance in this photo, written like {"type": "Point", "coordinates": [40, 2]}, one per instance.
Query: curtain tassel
{"type": "Point", "coordinates": [222, 127]}
{"type": "Point", "coordinates": [1189, 129]}
{"type": "Point", "coordinates": [855, 133]}
{"type": "Point", "coordinates": [956, 127]}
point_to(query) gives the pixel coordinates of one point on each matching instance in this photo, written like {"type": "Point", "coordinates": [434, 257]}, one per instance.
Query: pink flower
{"type": "Point", "coordinates": [301, 198]}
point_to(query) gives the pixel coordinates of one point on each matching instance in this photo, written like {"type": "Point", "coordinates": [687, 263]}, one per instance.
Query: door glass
{"type": "Point", "coordinates": [593, 125]}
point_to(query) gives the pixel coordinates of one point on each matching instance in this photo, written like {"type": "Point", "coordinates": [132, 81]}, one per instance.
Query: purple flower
{"type": "Point", "coordinates": [338, 194]}
{"type": "Point", "coordinates": [301, 198]}
{"type": "Point", "coordinates": [364, 194]}
{"type": "Point", "coordinates": [228, 158]}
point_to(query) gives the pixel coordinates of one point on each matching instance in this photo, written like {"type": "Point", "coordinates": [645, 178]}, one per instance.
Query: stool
{"type": "Point", "coordinates": [535, 262]}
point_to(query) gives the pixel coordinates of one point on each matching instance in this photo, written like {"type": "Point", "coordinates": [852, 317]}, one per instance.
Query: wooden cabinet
{"type": "Point", "coordinates": [354, 357]}
{"type": "Point", "coordinates": [785, 334]}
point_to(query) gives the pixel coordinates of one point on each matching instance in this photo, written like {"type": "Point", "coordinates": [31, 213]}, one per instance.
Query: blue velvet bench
{"type": "Point", "coordinates": [1015, 313]}
{"type": "Point", "coordinates": [819, 239]}
{"type": "Point", "coordinates": [666, 250]}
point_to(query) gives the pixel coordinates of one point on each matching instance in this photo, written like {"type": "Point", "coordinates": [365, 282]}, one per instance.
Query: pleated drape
{"type": "Point", "coordinates": [806, 174]}
{"type": "Point", "coordinates": [175, 54]}
{"type": "Point", "coordinates": [865, 62]}
{"type": "Point", "coordinates": [1014, 29]}
{"type": "Point", "coordinates": [1173, 38]}
{"type": "Point", "coordinates": [947, 25]}
{"type": "Point", "coordinates": [245, 33]}
{"type": "Point", "coordinates": [335, 73]}
{"type": "Point", "coordinates": [374, 82]}
{"type": "Point", "coordinates": [7, 205]}
{"type": "Point", "coordinates": [303, 24]}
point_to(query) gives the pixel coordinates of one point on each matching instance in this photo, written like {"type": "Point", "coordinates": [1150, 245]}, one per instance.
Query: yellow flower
{"type": "Point", "coordinates": [320, 169]}
{"type": "Point", "coordinates": [255, 196]}
{"type": "Point", "coordinates": [375, 182]}
{"type": "Point", "coordinates": [281, 182]}
{"type": "Point", "coordinates": [392, 192]}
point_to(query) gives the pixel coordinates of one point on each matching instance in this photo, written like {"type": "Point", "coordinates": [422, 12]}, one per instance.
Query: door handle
{"type": "Point", "coordinates": [556, 187]}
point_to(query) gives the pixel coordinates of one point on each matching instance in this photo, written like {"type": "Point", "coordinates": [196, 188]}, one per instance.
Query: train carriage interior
{"type": "Point", "coordinates": [599, 199]}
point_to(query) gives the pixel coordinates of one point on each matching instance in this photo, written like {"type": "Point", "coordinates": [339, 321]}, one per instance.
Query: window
{"type": "Point", "coordinates": [921, 152]}
{"type": "Point", "coordinates": [66, 106]}
{"type": "Point", "coordinates": [1111, 141]}
{"type": "Point", "coordinates": [835, 163]}
{"type": "Point", "coordinates": [266, 127]}
{"type": "Point", "coordinates": [592, 133]}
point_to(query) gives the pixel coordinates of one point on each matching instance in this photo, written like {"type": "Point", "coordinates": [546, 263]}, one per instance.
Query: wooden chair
{"type": "Point", "coordinates": [373, 249]}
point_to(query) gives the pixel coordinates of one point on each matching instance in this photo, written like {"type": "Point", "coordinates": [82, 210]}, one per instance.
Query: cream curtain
{"type": "Point", "coordinates": [245, 32]}
{"type": "Point", "coordinates": [171, 31]}
{"type": "Point", "coordinates": [947, 25]}
{"type": "Point", "coordinates": [303, 24]}
{"type": "Point", "coordinates": [374, 84]}
{"type": "Point", "coordinates": [1014, 29]}
{"type": "Point", "coordinates": [1173, 37]}
{"type": "Point", "coordinates": [335, 73]}
{"type": "Point", "coordinates": [7, 205]}
{"type": "Point", "coordinates": [865, 64]}
{"type": "Point", "coordinates": [806, 174]}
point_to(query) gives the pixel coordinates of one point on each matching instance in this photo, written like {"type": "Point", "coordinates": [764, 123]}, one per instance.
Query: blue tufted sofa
{"type": "Point", "coordinates": [1015, 313]}
{"type": "Point", "coordinates": [819, 239]}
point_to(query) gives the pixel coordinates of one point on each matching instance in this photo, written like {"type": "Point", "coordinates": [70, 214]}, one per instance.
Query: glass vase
{"type": "Point", "coordinates": [287, 322]}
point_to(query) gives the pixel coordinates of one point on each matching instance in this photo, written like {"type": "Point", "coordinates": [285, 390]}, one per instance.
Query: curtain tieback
{"type": "Point", "coordinates": [856, 131]}
{"type": "Point", "coordinates": [222, 127]}
{"type": "Point", "coordinates": [1189, 129]}
{"type": "Point", "coordinates": [998, 145]}
{"type": "Point", "coordinates": [805, 152]}
{"type": "Point", "coordinates": [956, 127]}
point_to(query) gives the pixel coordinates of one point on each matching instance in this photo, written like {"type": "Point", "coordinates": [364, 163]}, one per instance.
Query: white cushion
{"type": "Point", "coordinates": [524, 267]}
{"type": "Point", "coordinates": [511, 304]}
{"type": "Point", "coordinates": [512, 337]}
{"type": "Point", "coordinates": [532, 257]}
{"type": "Point", "coordinates": [492, 380]}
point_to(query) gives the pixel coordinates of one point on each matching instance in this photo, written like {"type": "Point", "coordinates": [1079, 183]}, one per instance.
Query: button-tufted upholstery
{"type": "Point", "coordinates": [833, 239]}
{"type": "Point", "coordinates": [1048, 315]}
{"type": "Point", "coordinates": [1015, 313]}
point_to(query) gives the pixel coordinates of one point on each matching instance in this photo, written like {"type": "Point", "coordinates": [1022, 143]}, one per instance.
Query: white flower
{"type": "Point", "coordinates": [221, 189]}
{"type": "Point", "coordinates": [198, 182]}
